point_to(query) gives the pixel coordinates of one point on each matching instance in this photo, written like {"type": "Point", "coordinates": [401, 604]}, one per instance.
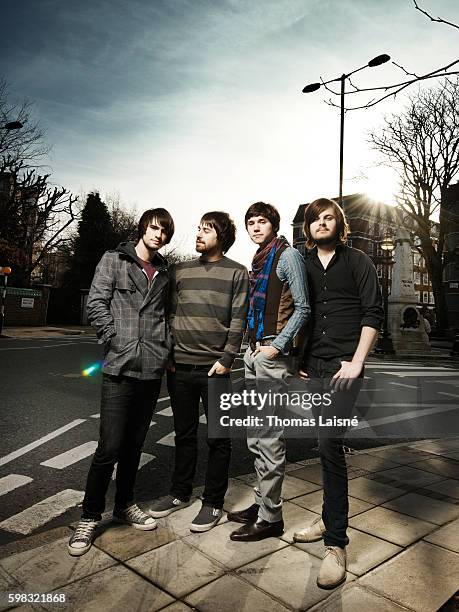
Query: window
{"type": "Point", "coordinates": [417, 277]}
{"type": "Point", "coordinates": [379, 270]}
{"type": "Point", "coordinates": [426, 297]}
{"type": "Point", "coordinates": [370, 248]}
{"type": "Point", "coordinates": [420, 296]}
{"type": "Point", "coordinates": [431, 297]}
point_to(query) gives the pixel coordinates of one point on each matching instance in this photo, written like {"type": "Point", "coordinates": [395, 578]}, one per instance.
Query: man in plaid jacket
{"type": "Point", "coordinates": [126, 305]}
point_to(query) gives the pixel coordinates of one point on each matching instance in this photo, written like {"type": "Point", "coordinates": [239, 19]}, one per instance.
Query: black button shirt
{"type": "Point", "coordinates": [344, 297]}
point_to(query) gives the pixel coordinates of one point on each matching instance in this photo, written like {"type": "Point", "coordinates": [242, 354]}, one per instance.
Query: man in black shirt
{"type": "Point", "coordinates": [346, 317]}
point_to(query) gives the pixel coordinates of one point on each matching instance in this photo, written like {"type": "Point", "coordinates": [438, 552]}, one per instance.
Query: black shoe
{"type": "Point", "coordinates": [258, 531]}
{"type": "Point", "coordinates": [249, 515]}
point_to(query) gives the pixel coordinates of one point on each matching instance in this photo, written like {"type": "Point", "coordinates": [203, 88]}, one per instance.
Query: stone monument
{"type": "Point", "coordinates": [406, 325]}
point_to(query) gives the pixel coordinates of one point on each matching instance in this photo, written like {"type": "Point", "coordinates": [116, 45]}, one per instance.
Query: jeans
{"type": "Point", "coordinates": [187, 386]}
{"type": "Point", "coordinates": [126, 409]}
{"type": "Point", "coordinates": [335, 506]}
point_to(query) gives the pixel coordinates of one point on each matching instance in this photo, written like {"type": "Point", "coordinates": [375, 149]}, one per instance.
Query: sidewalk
{"type": "Point", "coordinates": [48, 331]}
{"type": "Point", "coordinates": [403, 551]}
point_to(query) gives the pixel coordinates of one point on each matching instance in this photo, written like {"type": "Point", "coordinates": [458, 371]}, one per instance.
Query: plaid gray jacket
{"type": "Point", "coordinates": [129, 315]}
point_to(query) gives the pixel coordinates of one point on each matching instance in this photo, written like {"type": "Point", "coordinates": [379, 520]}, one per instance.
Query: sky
{"type": "Point", "coordinates": [196, 105]}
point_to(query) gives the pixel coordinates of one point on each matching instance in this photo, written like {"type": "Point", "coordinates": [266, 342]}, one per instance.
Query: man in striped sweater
{"type": "Point", "coordinates": [209, 301]}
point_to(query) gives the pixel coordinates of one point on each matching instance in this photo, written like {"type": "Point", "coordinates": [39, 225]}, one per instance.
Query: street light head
{"type": "Point", "coordinates": [378, 60]}
{"type": "Point", "coordinates": [5, 270]}
{"type": "Point", "coordinates": [311, 87]}
{"type": "Point", "coordinates": [387, 244]}
{"type": "Point", "coordinates": [13, 125]}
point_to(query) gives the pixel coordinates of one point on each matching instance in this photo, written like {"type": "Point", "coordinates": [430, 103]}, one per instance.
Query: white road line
{"type": "Point", "coordinates": [37, 515]}
{"type": "Point", "coordinates": [144, 459]}
{"type": "Point", "coordinates": [166, 412]}
{"type": "Point", "coordinates": [202, 419]}
{"type": "Point", "coordinates": [59, 462]}
{"type": "Point", "coordinates": [163, 399]}
{"type": "Point", "coordinates": [403, 385]}
{"type": "Point", "coordinates": [448, 394]}
{"type": "Point", "coordinates": [28, 348]}
{"type": "Point", "coordinates": [395, 418]}
{"type": "Point", "coordinates": [13, 481]}
{"type": "Point", "coordinates": [401, 366]}
{"type": "Point", "coordinates": [422, 374]}
{"type": "Point", "coordinates": [25, 449]}
{"type": "Point", "coordinates": [95, 416]}
{"type": "Point", "coordinates": [168, 440]}
{"type": "Point", "coordinates": [152, 423]}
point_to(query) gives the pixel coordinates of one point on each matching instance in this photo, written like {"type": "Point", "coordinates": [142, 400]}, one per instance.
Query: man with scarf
{"type": "Point", "coordinates": [278, 312]}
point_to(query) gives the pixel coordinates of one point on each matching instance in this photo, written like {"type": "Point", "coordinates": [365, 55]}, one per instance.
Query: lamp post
{"type": "Point", "coordinates": [376, 61]}
{"type": "Point", "coordinates": [384, 344]}
{"type": "Point", "coordinates": [5, 272]}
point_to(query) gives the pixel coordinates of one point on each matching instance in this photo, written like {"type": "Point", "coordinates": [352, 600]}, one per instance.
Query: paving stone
{"type": "Point", "coordinates": [124, 542]}
{"type": "Point", "coordinates": [313, 501]}
{"type": "Point", "coordinates": [370, 463]}
{"type": "Point", "coordinates": [444, 467]}
{"type": "Point", "coordinates": [454, 455]}
{"type": "Point", "coordinates": [244, 597]}
{"type": "Point", "coordinates": [372, 491]}
{"type": "Point", "coordinates": [289, 467]}
{"type": "Point", "coordinates": [391, 526]}
{"type": "Point", "coordinates": [424, 508]}
{"type": "Point", "coordinates": [48, 567]}
{"type": "Point", "coordinates": [438, 447]}
{"type": "Point", "coordinates": [176, 567]}
{"type": "Point", "coordinates": [295, 518]}
{"type": "Point", "coordinates": [421, 578]}
{"type": "Point", "coordinates": [289, 575]}
{"type": "Point", "coordinates": [216, 543]}
{"type": "Point", "coordinates": [177, 606]}
{"type": "Point", "coordinates": [115, 589]}
{"type": "Point", "coordinates": [238, 496]}
{"type": "Point", "coordinates": [401, 454]}
{"type": "Point", "coordinates": [294, 487]}
{"type": "Point", "coordinates": [311, 473]}
{"type": "Point", "coordinates": [7, 585]}
{"type": "Point", "coordinates": [33, 541]}
{"type": "Point", "coordinates": [448, 487]}
{"type": "Point", "coordinates": [410, 476]}
{"type": "Point", "coordinates": [364, 551]}
{"type": "Point", "coordinates": [354, 598]}
{"type": "Point", "coordinates": [447, 536]}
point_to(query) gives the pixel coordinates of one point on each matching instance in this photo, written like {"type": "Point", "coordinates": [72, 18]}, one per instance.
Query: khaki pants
{"type": "Point", "coordinates": [269, 451]}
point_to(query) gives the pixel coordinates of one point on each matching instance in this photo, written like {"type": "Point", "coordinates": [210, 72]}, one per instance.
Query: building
{"type": "Point", "coordinates": [369, 222]}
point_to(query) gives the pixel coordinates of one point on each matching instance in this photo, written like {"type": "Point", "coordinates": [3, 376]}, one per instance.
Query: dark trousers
{"type": "Point", "coordinates": [335, 507]}
{"type": "Point", "coordinates": [186, 387]}
{"type": "Point", "coordinates": [125, 414]}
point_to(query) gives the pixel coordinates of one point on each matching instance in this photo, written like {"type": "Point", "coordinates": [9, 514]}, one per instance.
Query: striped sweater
{"type": "Point", "coordinates": [209, 303]}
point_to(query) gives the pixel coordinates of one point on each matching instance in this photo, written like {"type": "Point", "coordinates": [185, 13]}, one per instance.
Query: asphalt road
{"type": "Point", "coordinates": [48, 408]}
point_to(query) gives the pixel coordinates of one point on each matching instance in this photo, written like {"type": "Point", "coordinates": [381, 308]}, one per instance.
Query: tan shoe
{"type": "Point", "coordinates": [332, 572]}
{"type": "Point", "coordinates": [313, 533]}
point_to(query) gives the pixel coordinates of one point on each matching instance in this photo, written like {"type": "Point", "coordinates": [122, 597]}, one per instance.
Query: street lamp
{"type": "Point", "coordinates": [384, 344]}
{"type": "Point", "coordinates": [376, 61]}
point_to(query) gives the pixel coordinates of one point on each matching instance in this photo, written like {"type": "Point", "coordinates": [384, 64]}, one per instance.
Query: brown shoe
{"type": "Point", "coordinates": [249, 515]}
{"type": "Point", "coordinates": [260, 530]}
{"type": "Point", "coordinates": [313, 533]}
{"type": "Point", "coordinates": [332, 572]}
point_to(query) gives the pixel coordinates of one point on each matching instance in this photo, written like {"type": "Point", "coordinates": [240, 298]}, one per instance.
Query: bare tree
{"type": "Point", "coordinates": [382, 92]}
{"type": "Point", "coordinates": [422, 145]}
{"type": "Point", "coordinates": [27, 144]}
{"type": "Point", "coordinates": [33, 218]}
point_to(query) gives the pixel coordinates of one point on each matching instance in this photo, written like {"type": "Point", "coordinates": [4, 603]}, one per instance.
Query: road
{"type": "Point", "coordinates": [50, 422]}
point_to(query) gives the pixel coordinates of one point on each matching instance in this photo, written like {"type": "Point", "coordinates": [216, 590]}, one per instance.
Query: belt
{"type": "Point", "coordinates": [189, 366]}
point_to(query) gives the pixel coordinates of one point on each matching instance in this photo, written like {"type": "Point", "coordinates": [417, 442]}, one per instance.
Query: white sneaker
{"type": "Point", "coordinates": [313, 533]}
{"type": "Point", "coordinates": [332, 572]}
{"type": "Point", "coordinates": [82, 538]}
{"type": "Point", "coordinates": [133, 515]}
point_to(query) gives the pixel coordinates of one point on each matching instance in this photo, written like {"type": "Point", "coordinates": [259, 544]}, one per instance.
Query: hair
{"type": "Point", "coordinates": [162, 216]}
{"type": "Point", "coordinates": [261, 209]}
{"type": "Point", "coordinates": [222, 223]}
{"type": "Point", "coordinates": [311, 214]}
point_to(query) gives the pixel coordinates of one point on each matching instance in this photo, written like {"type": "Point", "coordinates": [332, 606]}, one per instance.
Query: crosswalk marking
{"type": "Point", "coordinates": [59, 462]}
{"type": "Point", "coordinates": [404, 416]}
{"type": "Point", "coordinates": [95, 416]}
{"type": "Point", "coordinates": [448, 394]}
{"type": "Point", "coordinates": [44, 511]}
{"type": "Point", "coordinates": [168, 440]}
{"type": "Point", "coordinates": [422, 373]}
{"type": "Point", "coordinates": [166, 412]}
{"type": "Point", "coordinates": [403, 385]}
{"type": "Point", "coordinates": [25, 449]}
{"type": "Point", "coordinates": [202, 419]}
{"type": "Point", "coordinates": [144, 459]}
{"type": "Point", "coordinates": [13, 481]}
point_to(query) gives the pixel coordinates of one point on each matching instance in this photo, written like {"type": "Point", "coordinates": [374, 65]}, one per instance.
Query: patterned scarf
{"type": "Point", "coordinates": [259, 277]}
